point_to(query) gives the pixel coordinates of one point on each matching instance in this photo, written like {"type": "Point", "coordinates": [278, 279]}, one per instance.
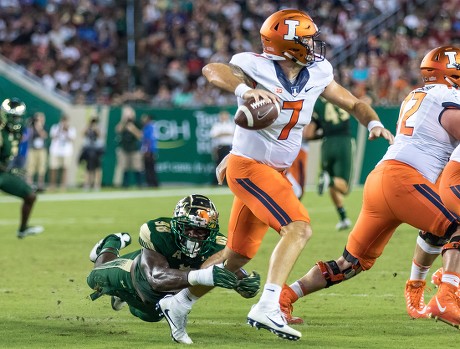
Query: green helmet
{"type": "Point", "coordinates": [11, 112]}
{"type": "Point", "coordinates": [195, 224]}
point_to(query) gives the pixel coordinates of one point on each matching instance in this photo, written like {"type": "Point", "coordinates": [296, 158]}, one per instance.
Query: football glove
{"type": "Point", "coordinates": [249, 285]}
{"type": "Point", "coordinates": [214, 275]}
{"type": "Point", "coordinates": [223, 277]}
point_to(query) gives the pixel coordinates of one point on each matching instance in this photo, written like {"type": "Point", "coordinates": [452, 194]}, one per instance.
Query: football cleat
{"type": "Point", "coordinates": [117, 303]}
{"type": "Point", "coordinates": [176, 316]}
{"type": "Point", "coordinates": [415, 303]}
{"type": "Point", "coordinates": [445, 305]}
{"type": "Point", "coordinates": [32, 230]}
{"type": "Point", "coordinates": [323, 182]}
{"type": "Point", "coordinates": [437, 277]}
{"type": "Point", "coordinates": [343, 224]}
{"type": "Point", "coordinates": [287, 297]}
{"type": "Point", "coordinates": [273, 321]}
{"type": "Point", "coordinates": [125, 240]}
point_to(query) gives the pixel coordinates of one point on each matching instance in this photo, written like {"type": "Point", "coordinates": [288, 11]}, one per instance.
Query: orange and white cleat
{"type": "Point", "coordinates": [287, 297]}
{"type": "Point", "coordinates": [445, 305]}
{"type": "Point", "coordinates": [415, 302]}
{"type": "Point", "coordinates": [437, 277]}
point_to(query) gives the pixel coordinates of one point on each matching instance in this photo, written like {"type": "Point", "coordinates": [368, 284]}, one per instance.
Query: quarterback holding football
{"type": "Point", "coordinates": [293, 72]}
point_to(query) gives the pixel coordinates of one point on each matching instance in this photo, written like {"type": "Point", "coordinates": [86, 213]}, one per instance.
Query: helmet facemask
{"type": "Point", "coordinates": [316, 49]}
{"type": "Point", "coordinates": [454, 79]}
{"type": "Point", "coordinates": [195, 225]}
{"type": "Point", "coordinates": [192, 240]}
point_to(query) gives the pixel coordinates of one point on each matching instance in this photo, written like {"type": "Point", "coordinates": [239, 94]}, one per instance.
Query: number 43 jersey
{"type": "Point", "coordinates": [421, 141]}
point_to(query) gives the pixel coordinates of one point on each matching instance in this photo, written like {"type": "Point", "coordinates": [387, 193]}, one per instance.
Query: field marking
{"type": "Point", "coordinates": [67, 220]}
{"type": "Point", "coordinates": [148, 193]}
{"type": "Point", "coordinates": [133, 194]}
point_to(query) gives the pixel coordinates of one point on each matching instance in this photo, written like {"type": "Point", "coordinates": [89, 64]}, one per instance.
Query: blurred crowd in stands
{"type": "Point", "coordinates": [80, 47]}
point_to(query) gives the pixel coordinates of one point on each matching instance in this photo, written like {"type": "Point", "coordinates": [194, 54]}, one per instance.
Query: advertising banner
{"type": "Point", "coordinates": [183, 141]}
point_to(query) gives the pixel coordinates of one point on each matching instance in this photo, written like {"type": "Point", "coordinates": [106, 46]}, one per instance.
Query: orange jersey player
{"type": "Point", "coordinates": [402, 189]}
{"type": "Point", "coordinates": [449, 187]}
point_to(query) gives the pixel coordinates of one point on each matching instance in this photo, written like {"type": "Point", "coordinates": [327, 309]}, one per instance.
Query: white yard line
{"type": "Point", "coordinates": [85, 196]}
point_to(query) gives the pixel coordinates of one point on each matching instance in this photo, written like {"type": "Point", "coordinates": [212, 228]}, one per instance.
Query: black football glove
{"type": "Point", "coordinates": [249, 285]}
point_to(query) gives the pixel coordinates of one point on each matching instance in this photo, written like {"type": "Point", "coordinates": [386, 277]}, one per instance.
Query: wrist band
{"type": "Point", "coordinates": [241, 89]}
{"type": "Point", "coordinates": [192, 277]}
{"type": "Point", "coordinates": [374, 123]}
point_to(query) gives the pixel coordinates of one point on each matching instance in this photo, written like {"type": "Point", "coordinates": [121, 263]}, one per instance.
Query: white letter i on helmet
{"type": "Point", "coordinates": [292, 24]}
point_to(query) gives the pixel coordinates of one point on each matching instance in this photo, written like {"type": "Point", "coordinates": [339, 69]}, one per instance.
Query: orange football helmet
{"type": "Point", "coordinates": [291, 34]}
{"type": "Point", "coordinates": [442, 66]}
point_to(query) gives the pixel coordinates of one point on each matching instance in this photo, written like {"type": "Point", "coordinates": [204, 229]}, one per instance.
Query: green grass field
{"type": "Point", "coordinates": [44, 299]}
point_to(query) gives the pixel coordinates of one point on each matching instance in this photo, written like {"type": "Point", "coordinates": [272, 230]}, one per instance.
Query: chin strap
{"type": "Point", "coordinates": [454, 85]}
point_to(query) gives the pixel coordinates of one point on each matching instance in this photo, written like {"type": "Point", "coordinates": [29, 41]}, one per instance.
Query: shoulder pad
{"type": "Point", "coordinates": [144, 237]}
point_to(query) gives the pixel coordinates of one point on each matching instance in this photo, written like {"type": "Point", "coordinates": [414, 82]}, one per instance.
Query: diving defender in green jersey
{"type": "Point", "coordinates": [11, 127]}
{"type": "Point", "coordinates": [176, 258]}
{"type": "Point", "coordinates": [332, 124]}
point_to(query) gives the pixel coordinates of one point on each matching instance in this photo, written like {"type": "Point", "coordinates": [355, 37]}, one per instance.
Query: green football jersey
{"type": "Point", "coordinates": [333, 120]}
{"type": "Point", "coordinates": [115, 278]}
{"type": "Point", "coordinates": [156, 235]}
{"type": "Point", "coordinates": [9, 145]}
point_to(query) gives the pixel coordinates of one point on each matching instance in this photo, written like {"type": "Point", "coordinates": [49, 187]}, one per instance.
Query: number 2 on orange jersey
{"type": "Point", "coordinates": [407, 116]}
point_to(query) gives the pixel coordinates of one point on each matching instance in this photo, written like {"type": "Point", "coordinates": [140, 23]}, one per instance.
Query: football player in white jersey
{"type": "Point", "coordinates": [403, 189]}
{"type": "Point", "coordinates": [293, 72]}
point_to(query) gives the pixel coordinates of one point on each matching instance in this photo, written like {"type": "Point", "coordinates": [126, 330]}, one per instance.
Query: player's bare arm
{"type": "Point", "coordinates": [311, 133]}
{"type": "Point", "coordinates": [231, 78]}
{"type": "Point", "coordinates": [450, 120]}
{"type": "Point", "coordinates": [362, 111]}
{"type": "Point", "coordinates": [160, 276]}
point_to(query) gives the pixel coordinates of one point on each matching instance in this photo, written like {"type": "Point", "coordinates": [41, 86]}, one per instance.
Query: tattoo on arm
{"type": "Point", "coordinates": [238, 72]}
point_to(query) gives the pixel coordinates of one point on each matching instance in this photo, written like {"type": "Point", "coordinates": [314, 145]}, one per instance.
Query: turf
{"type": "Point", "coordinates": [44, 297]}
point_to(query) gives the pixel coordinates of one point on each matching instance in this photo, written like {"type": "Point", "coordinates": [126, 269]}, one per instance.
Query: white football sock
{"type": "Point", "coordinates": [270, 295]}
{"type": "Point", "coordinates": [418, 272]}
{"type": "Point", "coordinates": [186, 298]}
{"type": "Point", "coordinates": [297, 289]}
{"type": "Point", "coordinates": [451, 279]}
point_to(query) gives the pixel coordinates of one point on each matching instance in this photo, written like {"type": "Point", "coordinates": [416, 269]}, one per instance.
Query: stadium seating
{"type": "Point", "coordinates": [79, 48]}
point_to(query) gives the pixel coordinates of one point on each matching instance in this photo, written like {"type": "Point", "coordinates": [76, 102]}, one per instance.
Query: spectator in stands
{"type": "Point", "coordinates": [61, 152]}
{"type": "Point", "coordinates": [128, 149]}
{"type": "Point", "coordinates": [38, 154]}
{"type": "Point", "coordinates": [47, 40]}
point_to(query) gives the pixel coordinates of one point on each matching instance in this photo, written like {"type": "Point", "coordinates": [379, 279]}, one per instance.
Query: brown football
{"type": "Point", "coordinates": [254, 115]}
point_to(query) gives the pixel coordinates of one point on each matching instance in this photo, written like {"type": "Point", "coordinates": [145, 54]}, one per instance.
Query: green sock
{"type": "Point", "coordinates": [342, 213]}
{"type": "Point", "coordinates": [111, 244]}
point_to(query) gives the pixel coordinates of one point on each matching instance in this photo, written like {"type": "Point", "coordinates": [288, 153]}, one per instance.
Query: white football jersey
{"type": "Point", "coordinates": [279, 144]}
{"type": "Point", "coordinates": [421, 141]}
{"type": "Point", "coordinates": [456, 154]}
